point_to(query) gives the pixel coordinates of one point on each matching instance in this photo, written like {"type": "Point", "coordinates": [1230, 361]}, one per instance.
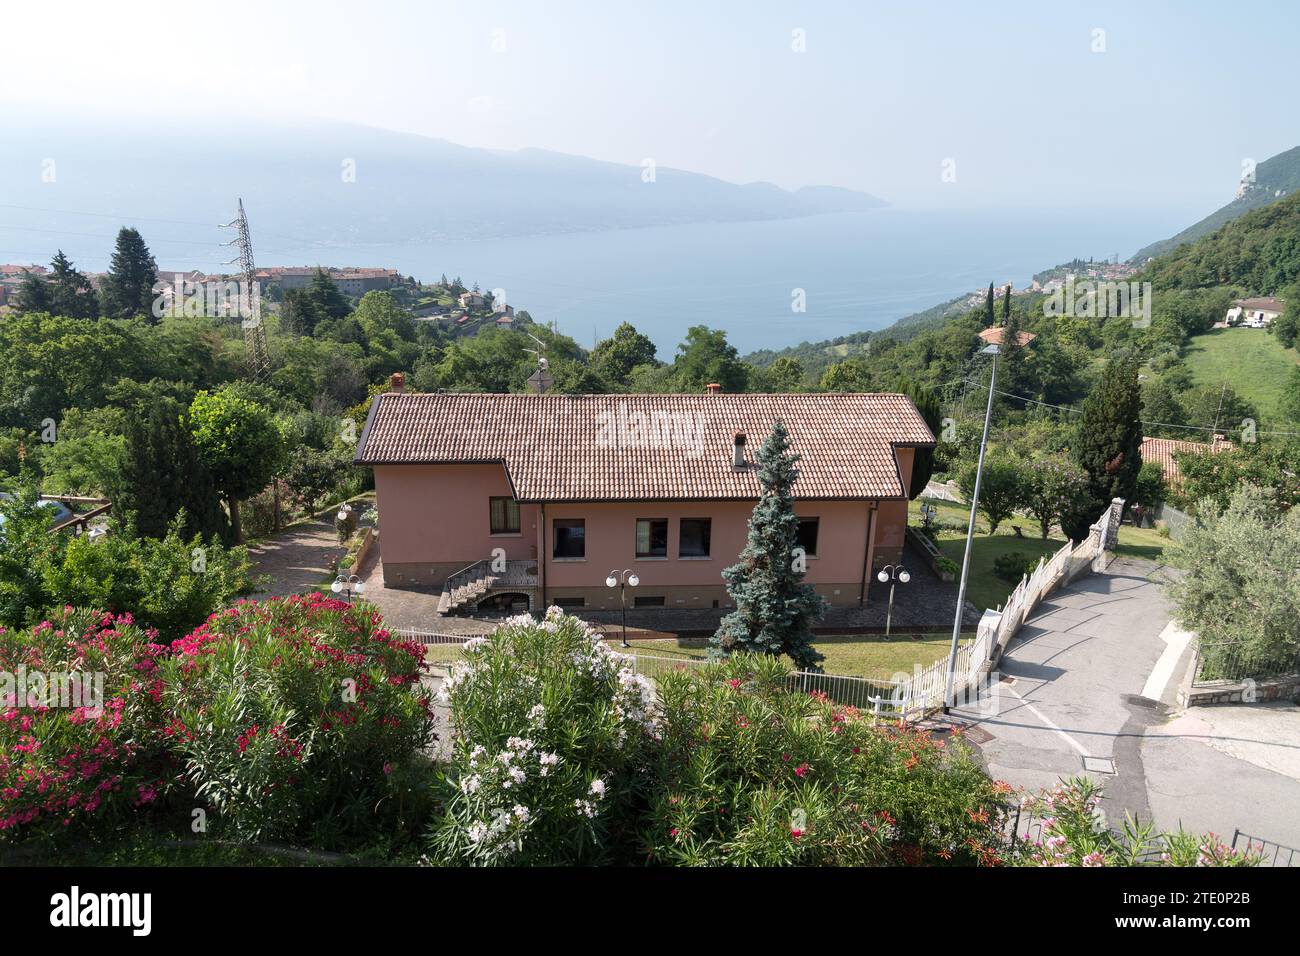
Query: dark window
{"type": "Point", "coordinates": [648, 602]}
{"type": "Point", "coordinates": [505, 515]}
{"type": "Point", "coordinates": [695, 538]}
{"type": "Point", "coordinates": [652, 537]}
{"type": "Point", "coordinates": [808, 536]}
{"type": "Point", "coordinates": [570, 538]}
{"type": "Point", "coordinates": [570, 602]}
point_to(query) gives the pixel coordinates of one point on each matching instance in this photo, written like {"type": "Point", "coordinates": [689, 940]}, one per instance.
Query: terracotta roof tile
{"type": "Point", "coordinates": [1162, 450]}
{"type": "Point", "coordinates": [995, 335]}
{"type": "Point", "coordinates": [649, 447]}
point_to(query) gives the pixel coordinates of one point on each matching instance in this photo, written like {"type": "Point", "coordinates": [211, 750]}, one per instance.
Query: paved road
{"type": "Point", "coordinates": [1088, 687]}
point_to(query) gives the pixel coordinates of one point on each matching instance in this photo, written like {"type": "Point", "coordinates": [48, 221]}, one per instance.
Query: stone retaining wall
{"type": "Point", "coordinates": [1241, 691]}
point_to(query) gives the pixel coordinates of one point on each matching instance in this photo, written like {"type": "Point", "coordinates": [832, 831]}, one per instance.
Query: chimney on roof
{"type": "Point", "coordinates": [738, 450]}
{"type": "Point", "coordinates": [713, 388]}
{"type": "Point", "coordinates": [397, 382]}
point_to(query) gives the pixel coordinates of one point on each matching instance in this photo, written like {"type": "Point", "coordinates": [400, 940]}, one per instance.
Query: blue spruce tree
{"type": "Point", "coordinates": [775, 611]}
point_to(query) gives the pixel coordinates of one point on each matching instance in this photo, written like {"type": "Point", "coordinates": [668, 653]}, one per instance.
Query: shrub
{"type": "Point", "coordinates": [291, 715]}
{"type": "Point", "coordinates": [172, 583]}
{"type": "Point", "coordinates": [751, 774]}
{"type": "Point", "coordinates": [550, 726]}
{"type": "Point", "coordinates": [1001, 488]}
{"type": "Point", "coordinates": [1240, 586]}
{"type": "Point", "coordinates": [1073, 834]}
{"type": "Point", "coordinates": [63, 765]}
{"type": "Point", "coordinates": [1013, 565]}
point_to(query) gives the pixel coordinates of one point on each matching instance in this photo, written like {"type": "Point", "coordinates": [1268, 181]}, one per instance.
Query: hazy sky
{"type": "Point", "coordinates": [1033, 104]}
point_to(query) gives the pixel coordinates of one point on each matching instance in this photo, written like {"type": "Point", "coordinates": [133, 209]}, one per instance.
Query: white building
{"type": "Point", "coordinates": [1254, 313]}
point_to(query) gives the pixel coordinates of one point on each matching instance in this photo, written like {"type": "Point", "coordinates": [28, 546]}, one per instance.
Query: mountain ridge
{"type": "Point", "coordinates": [333, 183]}
{"type": "Point", "coordinates": [1274, 178]}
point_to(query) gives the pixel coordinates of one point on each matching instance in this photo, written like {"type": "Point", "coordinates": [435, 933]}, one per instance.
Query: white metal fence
{"type": "Point", "coordinates": [1050, 573]}
{"type": "Point", "coordinates": [907, 698]}
{"type": "Point", "coordinates": [429, 637]}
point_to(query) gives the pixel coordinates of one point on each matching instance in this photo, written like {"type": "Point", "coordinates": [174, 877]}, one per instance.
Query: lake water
{"type": "Point", "coordinates": [858, 271]}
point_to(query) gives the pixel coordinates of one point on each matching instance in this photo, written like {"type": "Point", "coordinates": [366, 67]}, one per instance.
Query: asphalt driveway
{"type": "Point", "coordinates": [1088, 687]}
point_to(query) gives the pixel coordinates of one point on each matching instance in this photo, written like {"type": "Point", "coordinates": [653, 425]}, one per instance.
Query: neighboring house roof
{"type": "Point", "coordinates": [1162, 450]}
{"type": "Point", "coordinates": [1266, 304]}
{"type": "Point", "coordinates": [994, 334]}
{"type": "Point", "coordinates": [593, 447]}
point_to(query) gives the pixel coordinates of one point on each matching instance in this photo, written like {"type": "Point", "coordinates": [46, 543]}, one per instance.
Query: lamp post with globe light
{"type": "Point", "coordinates": [993, 350]}
{"type": "Point", "coordinates": [347, 583]}
{"type": "Point", "coordinates": [622, 580]}
{"type": "Point", "coordinates": [893, 573]}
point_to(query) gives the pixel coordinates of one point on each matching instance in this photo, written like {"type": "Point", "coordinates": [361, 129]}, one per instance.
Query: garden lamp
{"type": "Point", "coordinates": [894, 574]}
{"type": "Point", "coordinates": [622, 580]}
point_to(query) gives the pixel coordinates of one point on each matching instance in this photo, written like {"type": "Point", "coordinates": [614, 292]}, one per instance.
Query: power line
{"type": "Point", "coordinates": [1079, 411]}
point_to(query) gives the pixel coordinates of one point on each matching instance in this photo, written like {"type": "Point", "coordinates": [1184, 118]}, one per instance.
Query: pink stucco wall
{"type": "Point", "coordinates": [438, 515]}
{"type": "Point", "coordinates": [611, 541]}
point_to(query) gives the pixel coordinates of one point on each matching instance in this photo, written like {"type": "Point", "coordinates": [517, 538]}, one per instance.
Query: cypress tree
{"type": "Point", "coordinates": [923, 459]}
{"type": "Point", "coordinates": [164, 473]}
{"type": "Point", "coordinates": [775, 611]}
{"type": "Point", "coordinates": [33, 295]}
{"type": "Point", "coordinates": [988, 309]}
{"type": "Point", "coordinates": [1107, 442]}
{"type": "Point", "coordinates": [71, 294]}
{"type": "Point", "coordinates": [128, 287]}
{"type": "Point", "coordinates": [1012, 353]}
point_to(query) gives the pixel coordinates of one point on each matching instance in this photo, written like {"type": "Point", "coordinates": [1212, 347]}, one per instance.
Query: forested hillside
{"type": "Point", "coordinates": [1259, 251]}
{"type": "Point", "coordinates": [1274, 178]}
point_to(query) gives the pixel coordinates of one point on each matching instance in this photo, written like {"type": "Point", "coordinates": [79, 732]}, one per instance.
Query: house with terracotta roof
{"type": "Point", "coordinates": [1162, 450]}
{"type": "Point", "coordinates": [531, 500]}
{"type": "Point", "coordinates": [995, 335]}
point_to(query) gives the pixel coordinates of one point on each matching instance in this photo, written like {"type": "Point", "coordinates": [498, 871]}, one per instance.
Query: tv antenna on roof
{"type": "Point", "coordinates": [540, 380]}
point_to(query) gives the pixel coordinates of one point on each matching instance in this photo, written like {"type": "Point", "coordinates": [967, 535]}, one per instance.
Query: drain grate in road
{"type": "Point", "coordinates": [1099, 764]}
{"type": "Point", "coordinates": [978, 735]}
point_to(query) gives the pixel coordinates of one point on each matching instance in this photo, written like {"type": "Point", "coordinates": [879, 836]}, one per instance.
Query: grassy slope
{"type": "Point", "coordinates": [985, 589]}
{"type": "Point", "coordinates": [1252, 361]}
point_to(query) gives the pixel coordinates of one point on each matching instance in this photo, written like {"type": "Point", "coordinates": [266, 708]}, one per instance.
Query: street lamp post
{"type": "Point", "coordinates": [893, 573]}
{"type": "Point", "coordinates": [347, 583]}
{"type": "Point", "coordinates": [990, 349]}
{"type": "Point", "coordinates": [622, 580]}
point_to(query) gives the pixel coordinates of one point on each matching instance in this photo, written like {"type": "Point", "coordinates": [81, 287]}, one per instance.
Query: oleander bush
{"type": "Point", "coordinates": [1073, 833]}
{"type": "Point", "coordinates": [563, 755]}
{"type": "Point", "coordinates": [78, 750]}
{"type": "Point", "coordinates": [750, 774]}
{"type": "Point", "coordinates": [549, 755]}
{"type": "Point", "coordinates": [290, 717]}
{"type": "Point", "coordinates": [298, 721]}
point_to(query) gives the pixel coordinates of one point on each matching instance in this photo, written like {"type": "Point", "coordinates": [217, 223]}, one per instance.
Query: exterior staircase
{"type": "Point", "coordinates": [463, 590]}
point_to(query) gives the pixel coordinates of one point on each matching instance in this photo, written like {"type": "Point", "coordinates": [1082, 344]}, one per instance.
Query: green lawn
{"type": "Point", "coordinates": [1250, 360]}
{"type": "Point", "coordinates": [854, 655]}
{"type": "Point", "coordinates": [985, 589]}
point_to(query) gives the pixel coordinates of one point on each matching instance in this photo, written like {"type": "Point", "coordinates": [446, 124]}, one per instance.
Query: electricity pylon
{"type": "Point", "coordinates": [259, 358]}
